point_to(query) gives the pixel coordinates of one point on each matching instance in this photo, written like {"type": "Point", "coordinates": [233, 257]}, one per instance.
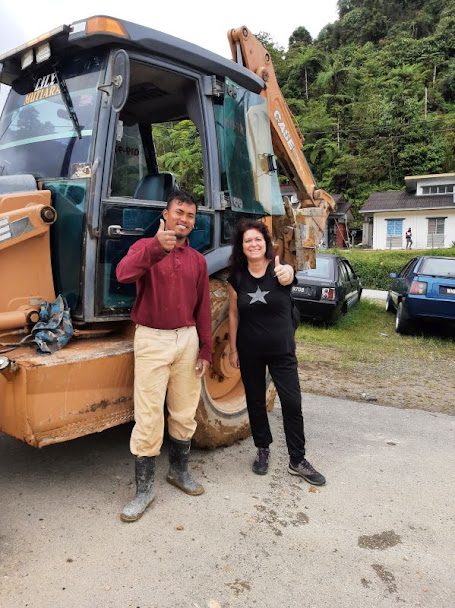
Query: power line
{"type": "Point", "coordinates": [395, 126]}
{"type": "Point", "coordinates": [447, 130]}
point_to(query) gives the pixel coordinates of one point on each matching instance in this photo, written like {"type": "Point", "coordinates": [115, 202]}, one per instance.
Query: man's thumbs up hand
{"type": "Point", "coordinates": [166, 237]}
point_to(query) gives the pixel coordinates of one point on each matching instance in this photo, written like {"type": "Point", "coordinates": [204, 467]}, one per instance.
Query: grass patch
{"type": "Point", "coordinates": [367, 333]}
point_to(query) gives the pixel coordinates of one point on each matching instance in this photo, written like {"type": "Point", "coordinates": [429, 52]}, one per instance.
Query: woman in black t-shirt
{"type": "Point", "coordinates": [262, 335]}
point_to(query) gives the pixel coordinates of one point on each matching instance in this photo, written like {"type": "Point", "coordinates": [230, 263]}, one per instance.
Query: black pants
{"type": "Point", "coordinates": [283, 369]}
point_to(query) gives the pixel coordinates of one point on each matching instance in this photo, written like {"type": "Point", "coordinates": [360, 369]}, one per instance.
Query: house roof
{"type": "Point", "coordinates": [342, 204]}
{"type": "Point", "coordinates": [398, 200]}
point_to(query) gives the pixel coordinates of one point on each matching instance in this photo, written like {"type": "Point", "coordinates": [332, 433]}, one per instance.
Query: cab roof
{"type": "Point", "coordinates": [105, 31]}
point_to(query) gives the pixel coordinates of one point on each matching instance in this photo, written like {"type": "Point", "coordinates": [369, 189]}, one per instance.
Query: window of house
{"type": "Point", "coordinates": [435, 236]}
{"type": "Point", "coordinates": [436, 225]}
{"type": "Point", "coordinates": [394, 233]}
{"type": "Point", "coordinates": [443, 189]}
{"type": "Point", "coordinates": [394, 227]}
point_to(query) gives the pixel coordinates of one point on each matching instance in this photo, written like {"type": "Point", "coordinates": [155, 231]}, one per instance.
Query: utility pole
{"type": "Point", "coordinates": [426, 102]}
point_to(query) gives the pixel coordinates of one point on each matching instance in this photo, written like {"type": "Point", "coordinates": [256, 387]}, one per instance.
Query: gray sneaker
{"type": "Point", "coordinates": [306, 470]}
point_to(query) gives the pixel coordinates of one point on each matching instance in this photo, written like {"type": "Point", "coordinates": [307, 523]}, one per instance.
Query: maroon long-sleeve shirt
{"type": "Point", "coordinates": [172, 289]}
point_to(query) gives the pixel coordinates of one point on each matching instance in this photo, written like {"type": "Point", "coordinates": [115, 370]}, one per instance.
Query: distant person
{"type": "Point", "coordinates": [408, 238]}
{"type": "Point", "coordinates": [172, 347]}
{"type": "Point", "coordinates": [262, 335]}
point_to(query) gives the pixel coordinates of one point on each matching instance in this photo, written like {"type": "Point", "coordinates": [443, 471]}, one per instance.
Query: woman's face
{"type": "Point", "coordinates": [253, 245]}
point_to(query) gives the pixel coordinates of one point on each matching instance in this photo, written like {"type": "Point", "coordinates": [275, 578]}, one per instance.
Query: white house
{"type": "Point", "coordinates": [427, 206]}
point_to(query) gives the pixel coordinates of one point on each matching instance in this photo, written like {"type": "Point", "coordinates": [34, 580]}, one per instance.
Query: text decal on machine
{"type": "Point", "coordinates": [46, 86]}
{"type": "Point", "coordinates": [283, 130]}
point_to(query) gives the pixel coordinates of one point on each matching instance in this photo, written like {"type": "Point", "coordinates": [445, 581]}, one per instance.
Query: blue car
{"type": "Point", "coordinates": [424, 290]}
{"type": "Point", "coordinates": [326, 292]}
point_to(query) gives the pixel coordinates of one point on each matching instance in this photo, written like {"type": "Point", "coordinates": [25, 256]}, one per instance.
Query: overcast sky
{"type": "Point", "coordinates": [203, 22]}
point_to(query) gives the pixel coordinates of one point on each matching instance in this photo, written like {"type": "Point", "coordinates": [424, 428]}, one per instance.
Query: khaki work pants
{"type": "Point", "coordinates": [164, 360]}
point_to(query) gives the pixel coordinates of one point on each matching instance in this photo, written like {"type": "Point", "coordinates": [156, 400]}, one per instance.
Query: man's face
{"type": "Point", "coordinates": [180, 218]}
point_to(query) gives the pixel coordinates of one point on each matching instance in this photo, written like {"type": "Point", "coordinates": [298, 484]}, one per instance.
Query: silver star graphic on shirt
{"type": "Point", "coordinates": [258, 296]}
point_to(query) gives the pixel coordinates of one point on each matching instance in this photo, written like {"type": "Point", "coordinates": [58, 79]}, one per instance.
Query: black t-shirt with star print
{"type": "Point", "coordinates": [265, 313]}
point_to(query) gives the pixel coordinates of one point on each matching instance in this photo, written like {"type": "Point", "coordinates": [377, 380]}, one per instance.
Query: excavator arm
{"type": "Point", "coordinates": [298, 233]}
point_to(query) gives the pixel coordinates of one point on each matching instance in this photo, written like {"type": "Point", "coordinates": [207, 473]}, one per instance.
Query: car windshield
{"type": "Point", "coordinates": [438, 267]}
{"type": "Point", "coordinates": [323, 268]}
{"type": "Point", "coordinates": [37, 134]}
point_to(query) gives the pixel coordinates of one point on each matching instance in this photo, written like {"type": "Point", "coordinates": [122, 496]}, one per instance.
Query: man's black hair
{"type": "Point", "coordinates": [183, 196]}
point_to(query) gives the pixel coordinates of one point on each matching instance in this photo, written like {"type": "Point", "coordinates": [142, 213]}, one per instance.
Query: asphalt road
{"type": "Point", "coordinates": [374, 294]}
{"type": "Point", "coordinates": [380, 534]}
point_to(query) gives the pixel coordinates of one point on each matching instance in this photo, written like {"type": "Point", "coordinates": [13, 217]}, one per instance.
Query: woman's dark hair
{"type": "Point", "coordinates": [238, 259]}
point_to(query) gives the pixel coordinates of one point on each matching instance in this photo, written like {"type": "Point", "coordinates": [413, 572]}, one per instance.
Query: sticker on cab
{"type": "Point", "coordinates": [5, 229]}
{"type": "Point", "coordinates": [80, 170]}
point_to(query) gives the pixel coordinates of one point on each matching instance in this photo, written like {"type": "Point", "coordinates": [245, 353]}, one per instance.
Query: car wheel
{"type": "Point", "coordinates": [402, 324]}
{"type": "Point", "coordinates": [388, 303]}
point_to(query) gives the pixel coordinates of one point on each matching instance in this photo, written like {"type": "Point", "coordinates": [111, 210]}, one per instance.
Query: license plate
{"type": "Point", "coordinates": [448, 290]}
{"type": "Point", "coordinates": [306, 291]}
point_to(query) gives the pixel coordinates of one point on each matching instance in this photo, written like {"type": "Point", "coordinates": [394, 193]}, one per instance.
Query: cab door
{"type": "Point", "coordinates": [158, 146]}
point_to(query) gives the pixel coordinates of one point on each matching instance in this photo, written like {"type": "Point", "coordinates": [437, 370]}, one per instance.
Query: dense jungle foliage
{"type": "Point", "coordinates": [374, 94]}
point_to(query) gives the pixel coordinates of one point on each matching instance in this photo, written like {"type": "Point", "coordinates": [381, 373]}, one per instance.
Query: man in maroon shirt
{"type": "Point", "coordinates": [172, 347]}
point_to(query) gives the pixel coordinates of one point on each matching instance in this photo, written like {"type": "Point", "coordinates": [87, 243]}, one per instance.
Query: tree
{"type": "Point", "coordinates": [178, 149]}
{"type": "Point", "coordinates": [300, 37]}
{"type": "Point", "coordinates": [302, 67]}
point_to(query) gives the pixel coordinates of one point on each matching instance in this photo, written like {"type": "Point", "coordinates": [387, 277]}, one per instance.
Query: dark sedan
{"type": "Point", "coordinates": [424, 290]}
{"type": "Point", "coordinates": [327, 291]}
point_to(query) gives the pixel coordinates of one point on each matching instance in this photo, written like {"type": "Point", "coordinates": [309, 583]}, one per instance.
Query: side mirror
{"type": "Point", "coordinates": [119, 85]}
{"type": "Point", "coordinates": [120, 79]}
{"type": "Point", "coordinates": [393, 275]}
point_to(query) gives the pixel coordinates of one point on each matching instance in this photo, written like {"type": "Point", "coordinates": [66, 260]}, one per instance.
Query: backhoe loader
{"type": "Point", "coordinates": [103, 119]}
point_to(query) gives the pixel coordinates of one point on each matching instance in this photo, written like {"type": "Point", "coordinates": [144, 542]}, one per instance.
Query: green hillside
{"type": "Point", "coordinates": [374, 94]}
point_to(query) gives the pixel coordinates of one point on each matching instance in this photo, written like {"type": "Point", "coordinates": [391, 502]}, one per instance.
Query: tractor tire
{"type": "Point", "coordinates": [222, 417]}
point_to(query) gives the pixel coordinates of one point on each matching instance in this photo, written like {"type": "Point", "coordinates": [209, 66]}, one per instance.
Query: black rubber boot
{"type": "Point", "coordinates": [178, 476]}
{"type": "Point", "coordinates": [145, 480]}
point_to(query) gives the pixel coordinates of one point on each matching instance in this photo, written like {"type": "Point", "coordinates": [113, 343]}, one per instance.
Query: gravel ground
{"type": "Point", "coordinates": [380, 534]}
{"type": "Point", "coordinates": [405, 383]}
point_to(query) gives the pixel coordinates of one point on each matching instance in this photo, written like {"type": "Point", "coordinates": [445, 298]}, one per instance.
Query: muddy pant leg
{"type": "Point", "coordinates": [184, 387]}
{"type": "Point", "coordinates": [283, 369]}
{"type": "Point", "coordinates": [254, 381]}
{"type": "Point", "coordinates": [153, 354]}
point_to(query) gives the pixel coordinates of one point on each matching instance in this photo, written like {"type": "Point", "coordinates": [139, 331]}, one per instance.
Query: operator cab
{"type": "Point", "coordinates": [111, 117]}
